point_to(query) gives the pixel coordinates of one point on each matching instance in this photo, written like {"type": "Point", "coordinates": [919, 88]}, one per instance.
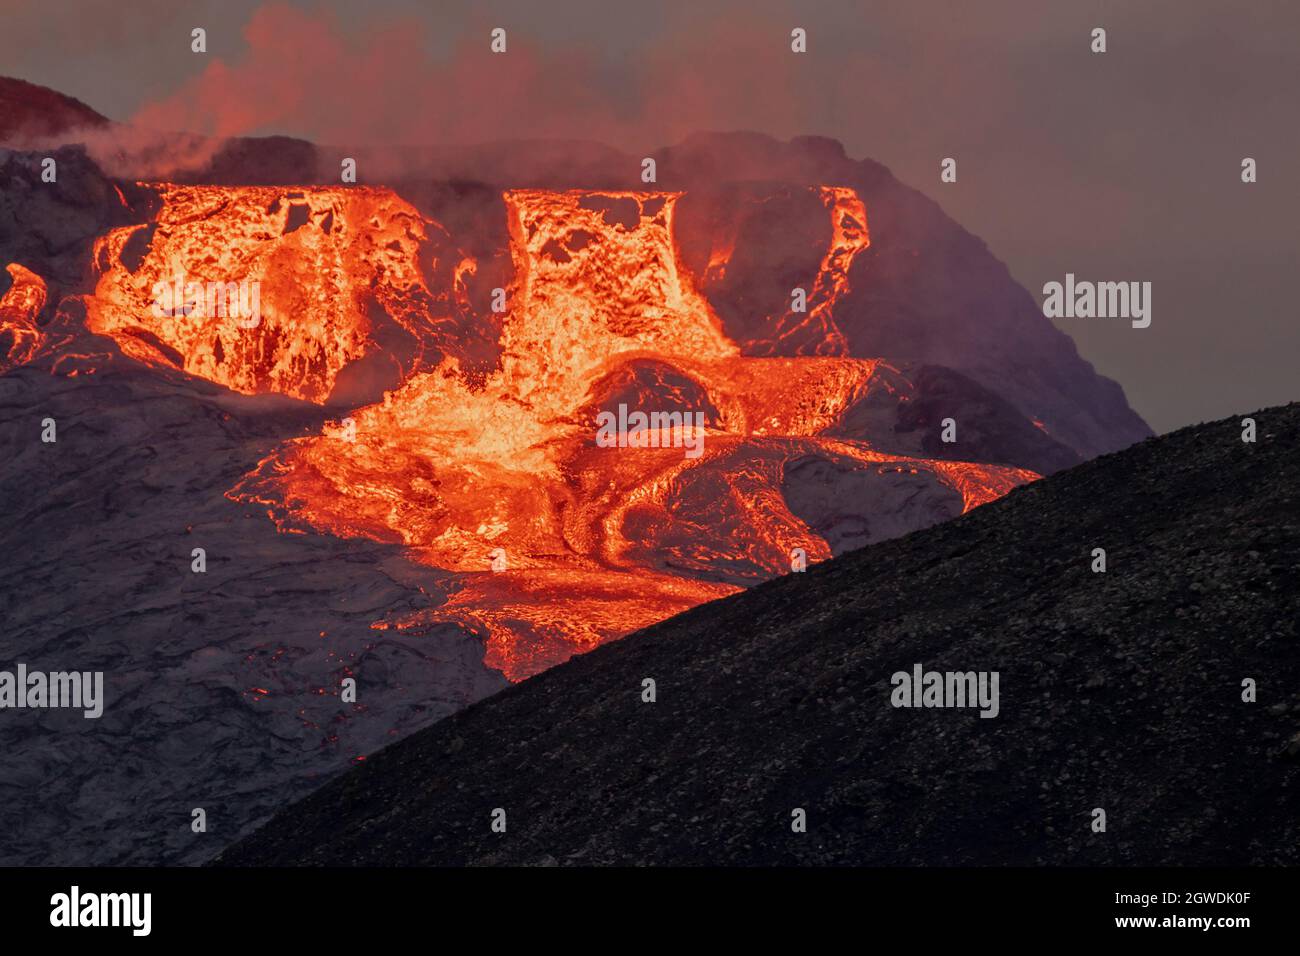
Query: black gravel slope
{"type": "Point", "coordinates": [1120, 691]}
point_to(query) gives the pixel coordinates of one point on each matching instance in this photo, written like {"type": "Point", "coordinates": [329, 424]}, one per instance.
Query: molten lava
{"type": "Point", "coordinates": [20, 337]}
{"type": "Point", "coordinates": [597, 276]}
{"type": "Point", "coordinates": [471, 440]}
{"type": "Point", "coordinates": [849, 237]}
{"type": "Point", "coordinates": [561, 544]}
{"type": "Point", "coordinates": [335, 270]}
{"type": "Point", "coordinates": [814, 331]}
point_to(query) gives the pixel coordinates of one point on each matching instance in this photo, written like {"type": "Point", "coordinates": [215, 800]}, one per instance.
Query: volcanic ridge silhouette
{"type": "Point", "coordinates": [1121, 691]}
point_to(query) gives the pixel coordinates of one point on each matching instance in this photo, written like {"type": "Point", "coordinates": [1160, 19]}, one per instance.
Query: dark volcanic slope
{"type": "Point", "coordinates": [222, 688]}
{"type": "Point", "coordinates": [31, 111]}
{"type": "Point", "coordinates": [1120, 690]}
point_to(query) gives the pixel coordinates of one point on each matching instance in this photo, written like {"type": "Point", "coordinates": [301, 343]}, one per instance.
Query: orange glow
{"type": "Point", "coordinates": [723, 248]}
{"type": "Point", "coordinates": [539, 617]}
{"type": "Point", "coordinates": [597, 276]}
{"type": "Point", "coordinates": [536, 537]}
{"type": "Point", "coordinates": [816, 325]}
{"type": "Point", "coordinates": [325, 261]}
{"type": "Point", "coordinates": [20, 337]}
{"type": "Point", "coordinates": [593, 543]}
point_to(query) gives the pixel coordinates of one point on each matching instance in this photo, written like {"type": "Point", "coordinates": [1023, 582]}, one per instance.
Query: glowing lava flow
{"type": "Point", "coordinates": [482, 462]}
{"type": "Point", "coordinates": [597, 276]}
{"type": "Point", "coordinates": [20, 337]}
{"type": "Point", "coordinates": [556, 544]}
{"type": "Point", "coordinates": [848, 238]}
{"type": "Point", "coordinates": [330, 268]}
{"type": "Point", "coordinates": [814, 331]}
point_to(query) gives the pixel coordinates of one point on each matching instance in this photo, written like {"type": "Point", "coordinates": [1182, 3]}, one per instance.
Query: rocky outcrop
{"type": "Point", "coordinates": [51, 228]}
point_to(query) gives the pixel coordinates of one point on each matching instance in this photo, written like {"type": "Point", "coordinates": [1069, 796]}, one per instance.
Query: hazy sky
{"type": "Point", "coordinates": [1115, 166]}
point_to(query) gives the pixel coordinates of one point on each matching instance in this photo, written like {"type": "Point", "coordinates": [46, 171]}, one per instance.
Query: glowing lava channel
{"type": "Point", "coordinates": [589, 544]}
{"type": "Point", "coordinates": [20, 337]}
{"type": "Point", "coordinates": [550, 544]}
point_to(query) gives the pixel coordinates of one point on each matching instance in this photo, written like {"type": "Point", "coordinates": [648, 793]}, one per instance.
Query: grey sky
{"type": "Point", "coordinates": [1121, 166]}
